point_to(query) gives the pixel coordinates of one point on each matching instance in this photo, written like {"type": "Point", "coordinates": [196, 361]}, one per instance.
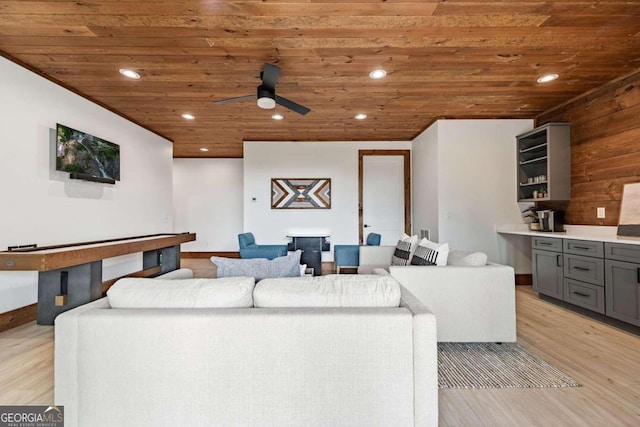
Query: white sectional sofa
{"type": "Point", "coordinates": [262, 367]}
{"type": "Point", "coordinates": [471, 303]}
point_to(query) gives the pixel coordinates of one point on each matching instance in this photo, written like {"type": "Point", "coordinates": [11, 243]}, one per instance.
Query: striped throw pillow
{"type": "Point", "coordinates": [424, 256]}
{"type": "Point", "coordinates": [402, 253]}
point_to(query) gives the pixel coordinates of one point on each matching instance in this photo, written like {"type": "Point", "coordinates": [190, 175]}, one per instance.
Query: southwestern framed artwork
{"type": "Point", "coordinates": [301, 193]}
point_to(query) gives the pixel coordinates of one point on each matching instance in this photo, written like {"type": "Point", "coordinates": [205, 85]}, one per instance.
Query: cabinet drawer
{"type": "Point", "coordinates": [584, 247]}
{"type": "Point", "coordinates": [622, 252]}
{"type": "Point", "coordinates": [547, 244]}
{"type": "Point", "coordinates": [584, 294]}
{"type": "Point", "coordinates": [584, 268]}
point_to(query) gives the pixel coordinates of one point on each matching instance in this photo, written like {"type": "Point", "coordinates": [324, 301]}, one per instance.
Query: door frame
{"type": "Point", "coordinates": [407, 185]}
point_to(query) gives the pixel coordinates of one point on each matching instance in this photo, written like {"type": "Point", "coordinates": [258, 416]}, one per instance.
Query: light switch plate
{"type": "Point", "coordinates": [600, 213]}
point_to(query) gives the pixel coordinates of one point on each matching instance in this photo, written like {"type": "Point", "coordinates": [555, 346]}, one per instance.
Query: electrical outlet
{"type": "Point", "coordinates": [600, 213]}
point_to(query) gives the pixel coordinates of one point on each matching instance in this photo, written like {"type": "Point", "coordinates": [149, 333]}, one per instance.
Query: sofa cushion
{"type": "Point", "coordinates": [259, 268]}
{"type": "Point", "coordinates": [466, 258]}
{"type": "Point", "coordinates": [431, 253]}
{"type": "Point", "coordinates": [404, 250]}
{"type": "Point", "coordinates": [334, 290]}
{"type": "Point", "coordinates": [233, 292]}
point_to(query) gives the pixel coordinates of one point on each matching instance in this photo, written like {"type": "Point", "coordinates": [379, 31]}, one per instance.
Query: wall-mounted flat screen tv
{"type": "Point", "coordinates": [86, 156]}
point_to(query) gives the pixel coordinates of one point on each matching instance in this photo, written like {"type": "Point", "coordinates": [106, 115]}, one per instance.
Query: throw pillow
{"type": "Point", "coordinates": [402, 253]}
{"type": "Point", "coordinates": [181, 273]}
{"type": "Point", "coordinates": [432, 253]}
{"type": "Point", "coordinates": [424, 256]}
{"type": "Point", "coordinates": [259, 268]}
{"type": "Point", "coordinates": [404, 250]}
{"type": "Point", "coordinates": [467, 259]}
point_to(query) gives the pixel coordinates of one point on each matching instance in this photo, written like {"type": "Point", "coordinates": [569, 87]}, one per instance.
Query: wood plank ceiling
{"type": "Point", "coordinates": [444, 59]}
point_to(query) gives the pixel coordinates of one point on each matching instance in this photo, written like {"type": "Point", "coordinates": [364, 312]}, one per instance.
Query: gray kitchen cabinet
{"type": "Point", "coordinates": [601, 277]}
{"type": "Point", "coordinates": [622, 282]}
{"type": "Point", "coordinates": [547, 273]}
{"type": "Point", "coordinates": [544, 163]}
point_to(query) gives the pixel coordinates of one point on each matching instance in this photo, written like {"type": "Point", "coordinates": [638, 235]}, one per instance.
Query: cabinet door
{"type": "Point", "coordinates": [622, 289]}
{"type": "Point", "coordinates": [547, 273]}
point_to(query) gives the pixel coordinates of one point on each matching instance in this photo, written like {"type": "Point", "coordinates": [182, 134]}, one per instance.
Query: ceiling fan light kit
{"type": "Point", "coordinates": [266, 99]}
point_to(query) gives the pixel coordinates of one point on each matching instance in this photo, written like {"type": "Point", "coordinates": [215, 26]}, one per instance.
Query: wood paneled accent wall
{"type": "Point", "coordinates": [605, 148]}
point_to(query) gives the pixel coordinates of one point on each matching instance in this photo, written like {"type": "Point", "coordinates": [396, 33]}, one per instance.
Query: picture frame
{"type": "Point", "coordinates": [629, 223]}
{"type": "Point", "coordinates": [301, 193]}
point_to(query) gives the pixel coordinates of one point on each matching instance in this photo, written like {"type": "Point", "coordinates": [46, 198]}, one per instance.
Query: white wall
{"type": "Point", "coordinates": [208, 201]}
{"type": "Point", "coordinates": [424, 182]}
{"type": "Point", "coordinates": [43, 206]}
{"type": "Point", "coordinates": [476, 183]}
{"type": "Point", "coordinates": [335, 160]}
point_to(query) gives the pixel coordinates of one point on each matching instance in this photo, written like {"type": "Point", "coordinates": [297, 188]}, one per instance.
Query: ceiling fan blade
{"type": "Point", "coordinates": [292, 105]}
{"type": "Point", "coordinates": [236, 99]}
{"type": "Point", "coordinates": [270, 76]}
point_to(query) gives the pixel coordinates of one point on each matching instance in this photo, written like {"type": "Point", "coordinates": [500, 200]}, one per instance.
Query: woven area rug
{"type": "Point", "coordinates": [490, 365]}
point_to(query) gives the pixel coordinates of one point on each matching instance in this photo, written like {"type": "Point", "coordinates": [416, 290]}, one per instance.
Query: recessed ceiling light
{"type": "Point", "coordinates": [277, 117]}
{"type": "Point", "coordinates": [188, 116]}
{"type": "Point", "coordinates": [361, 116]}
{"type": "Point", "coordinates": [378, 74]}
{"type": "Point", "coordinates": [204, 149]}
{"type": "Point", "coordinates": [129, 73]}
{"type": "Point", "coordinates": [548, 78]}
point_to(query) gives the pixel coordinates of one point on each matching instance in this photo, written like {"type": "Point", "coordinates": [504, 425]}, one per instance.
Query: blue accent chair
{"type": "Point", "coordinates": [249, 249]}
{"type": "Point", "coordinates": [349, 255]}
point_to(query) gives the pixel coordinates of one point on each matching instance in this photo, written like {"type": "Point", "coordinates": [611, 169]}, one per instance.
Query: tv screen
{"type": "Point", "coordinates": [80, 153]}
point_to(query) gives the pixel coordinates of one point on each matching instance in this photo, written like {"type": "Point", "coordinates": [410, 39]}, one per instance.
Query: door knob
{"type": "Point", "coordinates": [367, 226]}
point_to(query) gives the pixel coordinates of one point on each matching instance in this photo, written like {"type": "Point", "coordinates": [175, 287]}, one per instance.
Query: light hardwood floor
{"type": "Point", "coordinates": [606, 360]}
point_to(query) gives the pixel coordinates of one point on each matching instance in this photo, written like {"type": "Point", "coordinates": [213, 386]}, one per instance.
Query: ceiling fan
{"type": "Point", "coordinates": [266, 94]}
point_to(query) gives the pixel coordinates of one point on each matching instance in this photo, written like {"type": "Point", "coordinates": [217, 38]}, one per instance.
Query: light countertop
{"type": "Point", "coordinates": [578, 232]}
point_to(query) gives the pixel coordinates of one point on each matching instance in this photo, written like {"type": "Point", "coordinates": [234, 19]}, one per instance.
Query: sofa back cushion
{"type": "Point", "coordinates": [259, 268]}
{"type": "Point", "coordinates": [234, 292]}
{"type": "Point", "coordinates": [334, 290]}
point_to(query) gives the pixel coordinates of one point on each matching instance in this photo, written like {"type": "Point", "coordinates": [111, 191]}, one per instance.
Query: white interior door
{"type": "Point", "coordinates": [383, 197]}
